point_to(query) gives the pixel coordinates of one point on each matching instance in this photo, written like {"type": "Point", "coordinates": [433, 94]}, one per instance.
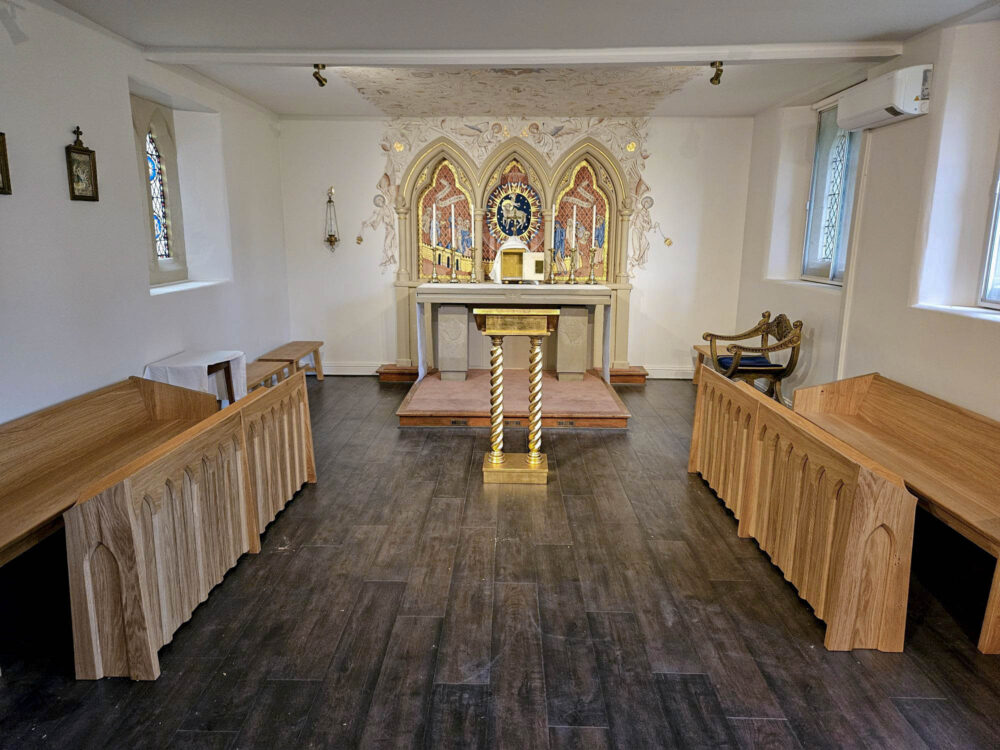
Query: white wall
{"type": "Point", "coordinates": [697, 169]}
{"type": "Point", "coordinates": [698, 174]}
{"type": "Point", "coordinates": [341, 297]}
{"type": "Point", "coordinates": [75, 307]}
{"type": "Point", "coordinates": [948, 352]}
{"type": "Point", "coordinates": [919, 233]}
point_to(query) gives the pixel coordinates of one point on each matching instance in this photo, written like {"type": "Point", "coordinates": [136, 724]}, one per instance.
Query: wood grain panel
{"type": "Point", "coordinates": [838, 525]}
{"type": "Point", "coordinates": [279, 441]}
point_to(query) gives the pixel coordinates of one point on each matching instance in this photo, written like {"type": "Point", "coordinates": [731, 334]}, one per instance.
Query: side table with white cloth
{"type": "Point", "coordinates": [197, 370]}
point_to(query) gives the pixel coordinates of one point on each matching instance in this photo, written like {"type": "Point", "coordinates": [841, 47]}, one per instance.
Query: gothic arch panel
{"type": "Point", "coordinates": [581, 218]}
{"type": "Point", "coordinates": [445, 221]}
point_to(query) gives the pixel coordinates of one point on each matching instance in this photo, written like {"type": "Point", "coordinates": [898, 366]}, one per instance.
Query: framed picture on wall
{"type": "Point", "coordinates": [81, 167]}
{"type": "Point", "coordinates": [4, 167]}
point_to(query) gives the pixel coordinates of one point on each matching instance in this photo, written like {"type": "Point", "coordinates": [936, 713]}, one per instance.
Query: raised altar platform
{"type": "Point", "coordinates": [590, 402]}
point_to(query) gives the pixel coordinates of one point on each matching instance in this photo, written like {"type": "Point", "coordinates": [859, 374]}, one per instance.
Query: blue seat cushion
{"type": "Point", "coordinates": [749, 361]}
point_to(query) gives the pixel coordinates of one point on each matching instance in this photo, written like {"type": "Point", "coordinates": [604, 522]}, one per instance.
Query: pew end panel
{"type": "Point", "coordinates": [166, 402]}
{"type": "Point", "coordinates": [838, 397]}
{"type": "Point", "coordinates": [108, 600]}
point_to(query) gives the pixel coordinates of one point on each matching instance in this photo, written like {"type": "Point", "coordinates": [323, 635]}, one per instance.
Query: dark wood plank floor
{"type": "Point", "coordinates": [401, 603]}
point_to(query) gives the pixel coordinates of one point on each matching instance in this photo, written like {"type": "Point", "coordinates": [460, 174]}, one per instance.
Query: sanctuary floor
{"type": "Point", "coordinates": [400, 603]}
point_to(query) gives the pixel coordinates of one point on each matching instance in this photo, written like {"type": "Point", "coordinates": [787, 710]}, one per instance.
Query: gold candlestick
{"type": "Point", "coordinates": [592, 279]}
{"type": "Point", "coordinates": [474, 275]}
{"type": "Point", "coordinates": [572, 267]}
{"type": "Point", "coordinates": [434, 267]}
{"type": "Point", "coordinates": [454, 267]}
{"type": "Point", "coordinates": [495, 456]}
{"type": "Point", "coordinates": [551, 279]}
{"type": "Point", "coordinates": [535, 401]}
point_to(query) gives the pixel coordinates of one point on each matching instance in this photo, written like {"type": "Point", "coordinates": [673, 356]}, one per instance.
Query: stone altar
{"type": "Point", "coordinates": [444, 318]}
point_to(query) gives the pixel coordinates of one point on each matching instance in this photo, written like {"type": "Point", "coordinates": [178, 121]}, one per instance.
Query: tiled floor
{"type": "Point", "coordinates": [400, 603]}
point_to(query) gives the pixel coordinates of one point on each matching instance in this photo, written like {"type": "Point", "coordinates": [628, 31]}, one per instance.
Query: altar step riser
{"type": "Point", "coordinates": [616, 423]}
{"type": "Point", "coordinates": [635, 375]}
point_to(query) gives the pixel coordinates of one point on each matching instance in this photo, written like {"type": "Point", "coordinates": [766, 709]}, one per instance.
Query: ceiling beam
{"type": "Point", "coordinates": [507, 58]}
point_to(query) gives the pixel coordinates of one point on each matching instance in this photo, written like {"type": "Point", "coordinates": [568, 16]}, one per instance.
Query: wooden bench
{"type": "Point", "coordinates": [948, 457]}
{"type": "Point", "coordinates": [48, 457]}
{"type": "Point", "coordinates": [837, 524]}
{"type": "Point", "coordinates": [294, 352]}
{"type": "Point", "coordinates": [263, 372]}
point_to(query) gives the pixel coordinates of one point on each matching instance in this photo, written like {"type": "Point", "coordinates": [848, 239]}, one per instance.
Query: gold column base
{"type": "Point", "coordinates": [515, 470]}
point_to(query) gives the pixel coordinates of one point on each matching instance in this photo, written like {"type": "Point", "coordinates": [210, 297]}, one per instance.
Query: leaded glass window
{"type": "Point", "coordinates": [991, 281]}
{"type": "Point", "coordinates": [831, 196]}
{"type": "Point", "coordinates": [158, 200]}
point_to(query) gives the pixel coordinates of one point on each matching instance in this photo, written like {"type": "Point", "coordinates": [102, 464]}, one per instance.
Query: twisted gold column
{"type": "Point", "coordinates": [535, 401]}
{"type": "Point", "coordinates": [496, 401]}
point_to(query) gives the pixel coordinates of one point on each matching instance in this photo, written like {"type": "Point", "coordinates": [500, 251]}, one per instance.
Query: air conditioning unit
{"type": "Point", "coordinates": [890, 98]}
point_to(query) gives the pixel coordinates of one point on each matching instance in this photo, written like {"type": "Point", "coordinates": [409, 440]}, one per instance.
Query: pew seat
{"type": "Point", "coordinates": [949, 457]}
{"type": "Point", "coordinates": [47, 458]}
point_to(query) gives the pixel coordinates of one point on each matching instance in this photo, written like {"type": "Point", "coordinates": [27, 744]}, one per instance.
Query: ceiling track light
{"type": "Point", "coordinates": [717, 78]}
{"type": "Point", "coordinates": [320, 78]}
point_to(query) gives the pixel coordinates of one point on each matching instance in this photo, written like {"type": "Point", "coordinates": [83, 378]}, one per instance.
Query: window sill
{"type": "Point", "coordinates": [820, 280]}
{"type": "Point", "coordinates": [180, 286]}
{"type": "Point", "coordinates": [831, 286]}
{"type": "Point", "coordinates": [979, 313]}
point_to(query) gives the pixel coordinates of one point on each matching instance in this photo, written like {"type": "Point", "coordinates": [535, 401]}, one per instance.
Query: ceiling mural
{"type": "Point", "coordinates": [592, 91]}
{"type": "Point", "coordinates": [404, 138]}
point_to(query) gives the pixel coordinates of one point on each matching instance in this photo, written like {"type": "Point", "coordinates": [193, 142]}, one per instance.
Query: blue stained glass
{"type": "Point", "coordinates": [158, 200]}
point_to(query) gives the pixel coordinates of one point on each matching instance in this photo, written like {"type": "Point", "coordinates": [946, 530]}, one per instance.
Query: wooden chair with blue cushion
{"type": "Point", "coordinates": [752, 362]}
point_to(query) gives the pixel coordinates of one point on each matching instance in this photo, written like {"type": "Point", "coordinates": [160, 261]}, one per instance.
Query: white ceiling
{"type": "Point", "coordinates": [601, 58]}
{"type": "Point", "coordinates": [512, 24]}
{"type": "Point", "coordinates": [598, 90]}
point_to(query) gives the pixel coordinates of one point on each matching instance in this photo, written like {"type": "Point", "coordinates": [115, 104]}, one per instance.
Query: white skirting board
{"type": "Point", "coordinates": [669, 373]}
{"type": "Point", "coordinates": [350, 368]}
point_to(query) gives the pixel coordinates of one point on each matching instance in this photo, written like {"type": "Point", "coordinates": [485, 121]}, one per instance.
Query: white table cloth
{"type": "Point", "coordinates": [189, 369]}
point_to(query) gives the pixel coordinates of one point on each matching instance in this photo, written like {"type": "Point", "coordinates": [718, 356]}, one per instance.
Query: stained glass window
{"type": "Point", "coordinates": [831, 196]}
{"type": "Point", "coordinates": [158, 201]}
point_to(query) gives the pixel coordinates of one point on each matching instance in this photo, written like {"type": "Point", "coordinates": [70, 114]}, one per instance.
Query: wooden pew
{"type": "Point", "coordinates": [154, 486]}
{"type": "Point", "coordinates": [147, 542]}
{"type": "Point", "coordinates": [48, 457]}
{"type": "Point", "coordinates": [838, 525]}
{"type": "Point", "coordinates": [948, 457]}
